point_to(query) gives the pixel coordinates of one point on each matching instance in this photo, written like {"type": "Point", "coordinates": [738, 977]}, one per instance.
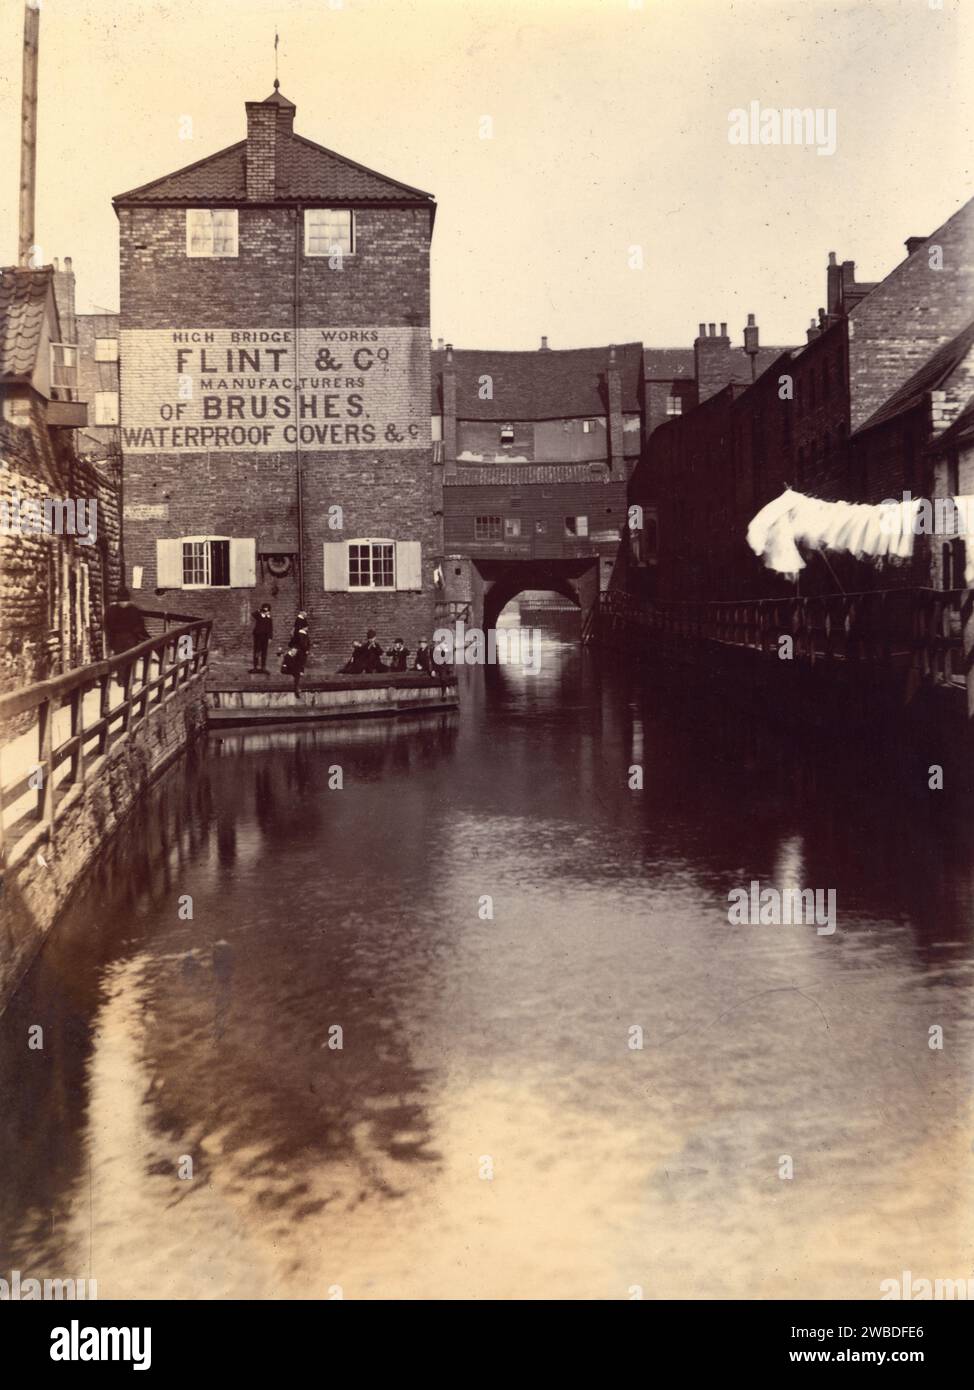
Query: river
{"type": "Point", "coordinates": [381, 1039]}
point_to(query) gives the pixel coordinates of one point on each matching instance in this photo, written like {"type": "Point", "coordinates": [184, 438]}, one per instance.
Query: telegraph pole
{"type": "Point", "coordinates": [28, 131]}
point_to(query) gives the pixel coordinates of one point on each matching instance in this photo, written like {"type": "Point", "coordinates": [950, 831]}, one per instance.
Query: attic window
{"type": "Point", "coordinates": [328, 232]}
{"type": "Point", "coordinates": [211, 231]}
{"type": "Point", "coordinates": [507, 434]}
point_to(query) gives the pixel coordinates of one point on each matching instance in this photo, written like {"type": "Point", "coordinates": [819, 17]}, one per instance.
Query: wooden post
{"type": "Point", "coordinates": [28, 132]}
{"type": "Point", "coordinates": [967, 628]}
{"type": "Point", "coordinates": [45, 793]}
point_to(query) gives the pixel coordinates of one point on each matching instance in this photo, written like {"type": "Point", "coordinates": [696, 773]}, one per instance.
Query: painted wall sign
{"type": "Point", "coordinates": [232, 390]}
{"type": "Point", "coordinates": [145, 511]}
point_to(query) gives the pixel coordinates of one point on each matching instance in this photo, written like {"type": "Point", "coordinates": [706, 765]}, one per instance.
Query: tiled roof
{"type": "Point", "coordinates": [934, 371]}
{"type": "Point", "coordinates": [302, 170]}
{"type": "Point", "coordinates": [23, 305]}
{"type": "Point", "coordinates": [540, 385]}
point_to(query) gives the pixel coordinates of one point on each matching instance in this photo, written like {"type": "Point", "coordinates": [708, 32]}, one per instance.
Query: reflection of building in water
{"type": "Point", "coordinates": [275, 424]}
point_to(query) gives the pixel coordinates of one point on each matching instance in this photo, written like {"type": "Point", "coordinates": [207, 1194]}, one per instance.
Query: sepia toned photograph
{"type": "Point", "coordinates": [487, 666]}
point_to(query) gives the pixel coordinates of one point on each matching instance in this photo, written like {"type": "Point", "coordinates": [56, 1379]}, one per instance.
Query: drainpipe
{"type": "Point", "coordinates": [298, 473]}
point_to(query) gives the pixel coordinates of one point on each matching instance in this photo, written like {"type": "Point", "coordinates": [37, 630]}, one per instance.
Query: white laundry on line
{"type": "Point", "coordinates": [877, 531]}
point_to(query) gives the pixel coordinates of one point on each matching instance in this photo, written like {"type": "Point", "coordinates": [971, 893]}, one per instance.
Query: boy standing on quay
{"type": "Point", "coordinates": [263, 632]}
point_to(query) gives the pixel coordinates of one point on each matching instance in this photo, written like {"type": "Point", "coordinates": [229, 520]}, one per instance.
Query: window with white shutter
{"type": "Point", "coordinates": [409, 565]}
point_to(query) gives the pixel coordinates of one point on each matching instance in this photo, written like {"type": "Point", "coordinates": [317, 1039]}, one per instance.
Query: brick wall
{"type": "Point", "coordinates": [384, 493]}
{"type": "Point", "coordinates": [913, 311]}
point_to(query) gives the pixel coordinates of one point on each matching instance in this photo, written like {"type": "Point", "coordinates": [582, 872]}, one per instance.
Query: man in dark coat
{"type": "Point", "coordinates": [298, 647]}
{"type": "Point", "coordinates": [424, 657]}
{"type": "Point", "coordinates": [398, 655]}
{"type": "Point", "coordinates": [373, 652]}
{"type": "Point", "coordinates": [356, 663]}
{"type": "Point", "coordinates": [124, 626]}
{"type": "Point", "coordinates": [263, 632]}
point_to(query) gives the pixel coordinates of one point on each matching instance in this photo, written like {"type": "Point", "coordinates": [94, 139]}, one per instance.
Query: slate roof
{"type": "Point", "coordinates": [302, 170]}
{"type": "Point", "coordinates": [552, 384]}
{"type": "Point", "coordinates": [668, 364]}
{"type": "Point", "coordinates": [23, 306]}
{"type": "Point", "coordinates": [929, 377]}
{"type": "Point", "coordinates": [675, 364]}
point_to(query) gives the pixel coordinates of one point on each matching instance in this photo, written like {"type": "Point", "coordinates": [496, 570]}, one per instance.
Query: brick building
{"type": "Point", "coordinates": [536, 449]}
{"type": "Point", "coordinates": [857, 413]}
{"type": "Point", "coordinates": [274, 344]}
{"type": "Point", "coordinates": [57, 551]}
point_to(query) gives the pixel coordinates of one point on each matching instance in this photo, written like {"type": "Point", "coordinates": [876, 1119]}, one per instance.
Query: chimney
{"type": "Point", "coordinates": [713, 366]}
{"type": "Point", "coordinates": [833, 293]}
{"type": "Point", "coordinates": [613, 382]}
{"type": "Point", "coordinates": [449, 414]}
{"type": "Point", "coordinates": [812, 331]}
{"type": "Point", "coordinates": [751, 345]}
{"type": "Point", "coordinates": [64, 297]}
{"type": "Point", "coordinates": [261, 150]}
{"type": "Point", "coordinates": [913, 243]}
{"type": "Point", "coordinates": [544, 346]}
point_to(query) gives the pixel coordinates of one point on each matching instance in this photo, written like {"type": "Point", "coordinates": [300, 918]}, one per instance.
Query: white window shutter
{"type": "Point", "coordinates": [335, 566]}
{"type": "Point", "coordinates": [409, 565]}
{"type": "Point", "coordinates": [243, 564]}
{"type": "Point", "coordinates": [169, 564]}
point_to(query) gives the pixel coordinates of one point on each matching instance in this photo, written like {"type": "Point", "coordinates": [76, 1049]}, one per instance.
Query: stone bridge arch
{"type": "Point", "coordinates": [502, 580]}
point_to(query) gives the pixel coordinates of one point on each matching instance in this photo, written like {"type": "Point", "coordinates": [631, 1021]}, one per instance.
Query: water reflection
{"type": "Point", "coordinates": [259, 903]}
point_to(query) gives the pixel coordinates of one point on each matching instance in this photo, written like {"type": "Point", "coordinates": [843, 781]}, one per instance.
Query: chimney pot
{"type": "Point", "coordinates": [750, 320]}
{"type": "Point", "coordinates": [723, 330]}
{"type": "Point", "coordinates": [57, 265]}
{"type": "Point", "coordinates": [703, 331]}
{"type": "Point", "coordinates": [67, 264]}
{"type": "Point", "coordinates": [832, 258]}
{"type": "Point", "coordinates": [439, 344]}
{"type": "Point", "coordinates": [544, 345]}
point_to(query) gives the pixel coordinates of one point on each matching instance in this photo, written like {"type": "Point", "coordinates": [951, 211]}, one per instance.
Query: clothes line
{"type": "Point", "coordinates": [880, 531]}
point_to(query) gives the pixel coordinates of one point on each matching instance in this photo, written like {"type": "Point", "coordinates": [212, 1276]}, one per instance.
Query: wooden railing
{"type": "Point", "coordinates": [103, 702]}
{"type": "Point", "coordinates": [898, 628]}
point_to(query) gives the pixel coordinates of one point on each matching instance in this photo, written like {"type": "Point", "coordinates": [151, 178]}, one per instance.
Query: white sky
{"type": "Point", "coordinates": [610, 130]}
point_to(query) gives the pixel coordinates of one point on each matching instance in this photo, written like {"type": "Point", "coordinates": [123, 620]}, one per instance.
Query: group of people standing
{"type": "Point", "coordinates": [295, 656]}
{"type": "Point", "coordinates": [366, 659]}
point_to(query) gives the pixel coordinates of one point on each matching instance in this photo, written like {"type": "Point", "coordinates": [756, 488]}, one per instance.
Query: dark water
{"type": "Point", "coordinates": [486, 1129]}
